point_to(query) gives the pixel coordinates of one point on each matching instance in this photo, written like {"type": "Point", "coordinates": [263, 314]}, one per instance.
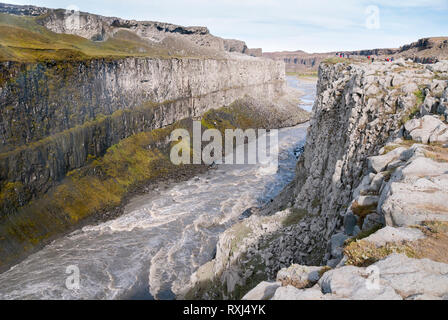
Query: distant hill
{"type": "Point", "coordinates": [29, 34]}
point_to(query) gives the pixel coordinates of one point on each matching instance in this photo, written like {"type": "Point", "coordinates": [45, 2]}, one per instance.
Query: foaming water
{"type": "Point", "coordinates": [159, 241]}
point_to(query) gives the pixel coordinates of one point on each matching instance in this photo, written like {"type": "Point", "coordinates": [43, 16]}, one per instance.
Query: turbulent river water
{"type": "Point", "coordinates": [161, 239]}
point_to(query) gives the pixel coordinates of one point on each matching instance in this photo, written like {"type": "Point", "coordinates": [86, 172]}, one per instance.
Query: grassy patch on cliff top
{"type": "Point", "coordinates": [336, 60]}
{"type": "Point", "coordinates": [23, 39]}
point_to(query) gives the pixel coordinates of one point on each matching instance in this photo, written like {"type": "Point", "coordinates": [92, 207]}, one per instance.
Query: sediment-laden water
{"type": "Point", "coordinates": [308, 87]}
{"type": "Point", "coordinates": [162, 237]}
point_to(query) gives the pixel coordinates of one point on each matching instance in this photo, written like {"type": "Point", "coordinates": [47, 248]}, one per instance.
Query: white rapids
{"type": "Point", "coordinates": [160, 240]}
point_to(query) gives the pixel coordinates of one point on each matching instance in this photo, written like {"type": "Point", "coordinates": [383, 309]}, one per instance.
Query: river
{"type": "Point", "coordinates": [161, 239]}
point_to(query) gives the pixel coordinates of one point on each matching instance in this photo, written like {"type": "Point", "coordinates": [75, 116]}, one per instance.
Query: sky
{"type": "Point", "coordinates": [277, 25]}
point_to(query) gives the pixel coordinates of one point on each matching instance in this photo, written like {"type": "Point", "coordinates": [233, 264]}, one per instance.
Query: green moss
{"type": "Point", "coordinates": [9, 195]}
{"type": "Point", "coordinates": [336, 60]}
{"type": "Point", "coordinates": [239, 232]}
{"type": "Point", "coordinates": [415, 110]}
{"type": "Point", "coordinates": [258, 275]}
{"type": "Point", "coordinates": [294, 217]}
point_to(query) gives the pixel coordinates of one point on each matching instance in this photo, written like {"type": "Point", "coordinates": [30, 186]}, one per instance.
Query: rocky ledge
{"type": "Point", "coordinates": [368, 207]}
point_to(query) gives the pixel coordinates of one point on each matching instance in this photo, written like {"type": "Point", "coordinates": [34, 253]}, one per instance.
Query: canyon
{"type": "Point", "coordinates": [73, 115]}
{"type": "Point", "coordinates": [356, 208]}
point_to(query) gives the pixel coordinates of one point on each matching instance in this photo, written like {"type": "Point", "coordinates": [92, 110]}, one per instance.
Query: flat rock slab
{"type": "Point", "coordinates": [264, 291]}
{"type": "Point", "coordinates": [391, 234]}
{"type": "Point", "coordinates": [292, 293]}
{"type": "Point", "coordinates": [411, 277]}
{"type": "Point", "coordinates": [379, 163]}
{"type": "Point", "coordinates": [352, 283]}
{"type": "Point", "coordinates": [417, 193]}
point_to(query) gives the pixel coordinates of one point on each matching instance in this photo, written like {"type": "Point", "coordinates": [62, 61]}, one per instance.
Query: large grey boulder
{"type": "Point", "coordinates": [292, 293]}
{"type": "Point", "coordinates": [353, 283]}
{"type": "Point", "coordinates": [414, 276]}
{"type": "Point", "coordinates": [373, 220]}
{"type": "Point", "coordinates": [429, 105]}
{"type": "Point", "coordinates": [390, 234]}
{"type": "Point", "coordinates": [426, 129]}
{"type": "Point", "coordinates": [417, 193]}
{"type": "Point", "coordinates": [350, 222]}
{"type": "Point", "coordinates": [379, 163]}
{"type": "Point", "coordinates": [264, 291]}
{"type": "Point", "coordinates": [441, 66]}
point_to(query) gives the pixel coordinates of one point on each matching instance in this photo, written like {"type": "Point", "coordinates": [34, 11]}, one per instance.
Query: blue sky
{"type": "Point", "coordinates": [275, 25]}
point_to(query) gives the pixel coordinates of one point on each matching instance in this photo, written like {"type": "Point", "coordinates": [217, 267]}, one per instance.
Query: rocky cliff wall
{"type": "Point", "coordinates": [56, 117]}
{"type": "Point", "coordinates": [46, 98]}
{"type": "Point", "coordinates": [359, 108]}
{"type": "Point", "coordinates": [393, 242]}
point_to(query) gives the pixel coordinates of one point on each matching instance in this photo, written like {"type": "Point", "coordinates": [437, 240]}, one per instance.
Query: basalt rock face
{"type": "Point", "coordinates": [54, 117]}
{"type": "Point", "coordinates": [341, 186]}
{"type": "Point", "coordinates": [46, 98]}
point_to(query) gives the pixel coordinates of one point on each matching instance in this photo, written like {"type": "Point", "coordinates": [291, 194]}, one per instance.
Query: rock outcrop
{"type": "Point", "coordinates": [358, 174]}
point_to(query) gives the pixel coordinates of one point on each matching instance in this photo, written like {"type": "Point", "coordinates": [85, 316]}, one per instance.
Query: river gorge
{"type": "Point", "coordinates": [162, 237]}
{"type": "Point", "coordinates": [94, 203]}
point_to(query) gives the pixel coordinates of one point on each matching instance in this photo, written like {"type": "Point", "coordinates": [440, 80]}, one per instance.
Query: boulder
{"type": "Point", "coordinates": [379, 163]}
{"type": "Point", "coordinates": [373, 220]}
{"type": "Point", "coordinates": [292, 293]}
{"type": "Point", "coordinates": [367, 201]}
{"type": "Point", "coordinates": [429, 106]}
{"type": "Point", "coordinates": [353, 283]}
{"type": "Point", "coordinates": [264, 291]}
{"type": "Point", "coordinates": [337, 241]}
{"type": "Point", "coordinates": [300, 276]}
{"type": "Point", "coordinates": [412, 203]}
{"type": "Point", "coordinates": [412, 277]}
{"type": "Point", "coordinates": [441, 66]}
{"type": "Point", "coordinates": [390, 234]}
{"type": "Point", "coordinates": [350, 221]}
{"type": "Point", "coordinates": [409, 87]}
{"type": "Point", "coordinates": [426, 129]}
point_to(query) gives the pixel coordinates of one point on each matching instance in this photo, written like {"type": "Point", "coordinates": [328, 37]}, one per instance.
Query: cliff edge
{"type": "Point", "coordinates": [366, 207]}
